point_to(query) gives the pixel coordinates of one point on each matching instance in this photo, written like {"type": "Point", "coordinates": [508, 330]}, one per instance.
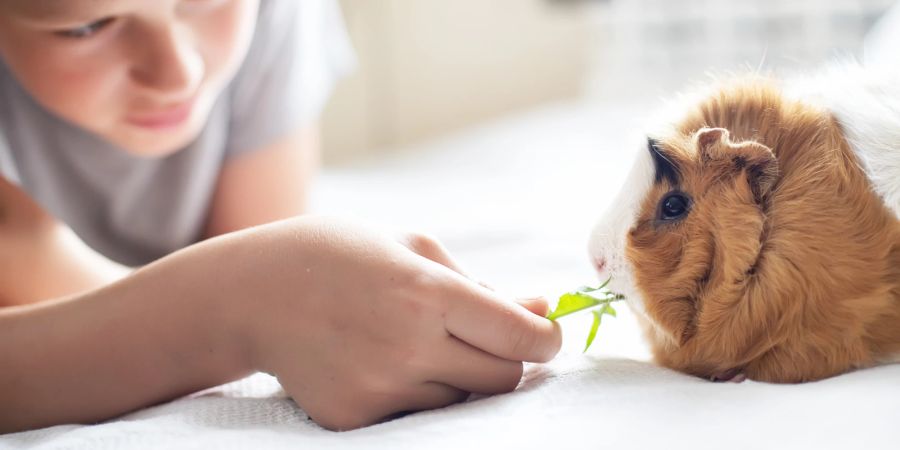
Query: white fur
{"type": "Point", "coordinates": [610, 235]}
{"type": "Point", "coordinates": [866, 102]}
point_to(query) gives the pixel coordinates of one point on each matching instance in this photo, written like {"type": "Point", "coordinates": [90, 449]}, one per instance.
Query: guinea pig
{"type": "Point", "coordinates": [757, 235]}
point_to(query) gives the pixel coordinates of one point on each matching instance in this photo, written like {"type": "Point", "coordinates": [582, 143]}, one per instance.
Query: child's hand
{"type": "Point", "coordinates": [358, 326]}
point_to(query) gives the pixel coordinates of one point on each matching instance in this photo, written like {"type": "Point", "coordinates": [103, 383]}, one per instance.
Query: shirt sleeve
{"type": "Point", "coordinates": [7, 164]}
{"type": "Point", "coordinates": [299, 50]}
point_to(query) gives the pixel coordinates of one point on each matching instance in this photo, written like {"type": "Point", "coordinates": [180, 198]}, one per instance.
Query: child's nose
{"type": "Point", "coordinates": [168, 64]}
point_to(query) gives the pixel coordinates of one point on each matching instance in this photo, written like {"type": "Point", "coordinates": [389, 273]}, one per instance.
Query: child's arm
{"type": "Point", "coordinates": [40, 257]}
{"type": "Point", "coordinates": [151, 337]}
{"type": "Point", "coordinates": [355, 325]}
{"type": "Point", "coordinates": [265, 184]}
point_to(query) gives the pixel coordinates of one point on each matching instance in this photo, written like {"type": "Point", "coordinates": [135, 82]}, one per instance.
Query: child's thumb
{"type": "Point", "coordinates": [537, 305]}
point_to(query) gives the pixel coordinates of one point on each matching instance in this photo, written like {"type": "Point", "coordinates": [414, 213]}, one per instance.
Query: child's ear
{"type": "Point", "coordinates": [719, 152]}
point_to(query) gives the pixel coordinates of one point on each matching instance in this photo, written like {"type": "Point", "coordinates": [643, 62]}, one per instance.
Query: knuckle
{"type": "Point", "coordinates": [424, 244]}
{"type": "Point", "coordinates": [419, 294]}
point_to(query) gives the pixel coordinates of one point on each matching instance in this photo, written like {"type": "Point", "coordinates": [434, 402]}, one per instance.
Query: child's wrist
{"type": "Point", "coordinates": [236, 304]}
{"type": "Point", "coordinates": [231, 328]}
{"type": "Point", "coordinates": [210, 300]}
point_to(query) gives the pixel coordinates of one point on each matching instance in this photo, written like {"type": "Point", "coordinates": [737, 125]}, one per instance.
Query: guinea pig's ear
{"type": "Point", "coordinates": [710, 141]}
{"type": "Point", "coordinates": [760, 164]}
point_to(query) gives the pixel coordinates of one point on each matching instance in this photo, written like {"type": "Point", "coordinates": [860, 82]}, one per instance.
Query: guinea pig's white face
{"type": "Point", "coordinates": [608, 239]}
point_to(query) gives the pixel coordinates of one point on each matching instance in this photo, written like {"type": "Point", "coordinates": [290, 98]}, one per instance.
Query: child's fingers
{"type": "Point", "coordinates": [432, 249]}
{"type": "Point", "coordinates": [430, 395]}
{"type": "Point", "coordinates": [505, 329]}
{"type": "Point", "coordinates": [537, 305]}
{"type": "Point", "coordinates": [483, 320]}
{"type": "Point", "coordinates": [365, 410]}
{"type": "Point", "coordinates": [473, 370]}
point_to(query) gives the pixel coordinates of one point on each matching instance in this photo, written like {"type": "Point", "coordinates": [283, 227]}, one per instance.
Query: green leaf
{"type": "Point", "coordinates": [584, 298]}
{"type": "Point", "coordinates": [608, 309]}
{"type": "Point", "coordinates": [572, 302]}
{"type": "Point", "coordinates": [604, 295]}
{"type": "Point", "coordinates": [586, 289]}
{"type": "Point", "coordinates": [598, 314]}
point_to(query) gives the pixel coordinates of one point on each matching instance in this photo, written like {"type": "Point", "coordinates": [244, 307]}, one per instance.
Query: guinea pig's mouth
{"type": "Point", "coordinates": [734, 375]}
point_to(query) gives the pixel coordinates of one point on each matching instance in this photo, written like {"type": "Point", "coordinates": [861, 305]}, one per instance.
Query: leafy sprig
{"type": "Point", "coordinates": [584, 298]}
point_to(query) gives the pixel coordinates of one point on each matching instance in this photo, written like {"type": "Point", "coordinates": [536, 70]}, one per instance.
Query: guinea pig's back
{"type": "Point", "coordinates": [866, 104]}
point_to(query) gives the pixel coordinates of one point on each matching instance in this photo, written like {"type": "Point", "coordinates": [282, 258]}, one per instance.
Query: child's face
{"type": "Point", "coordinates": [141, 74]}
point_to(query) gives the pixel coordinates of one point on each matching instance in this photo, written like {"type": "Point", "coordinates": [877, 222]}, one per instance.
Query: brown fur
{"type": "Point", "coordinates": [787, 266]}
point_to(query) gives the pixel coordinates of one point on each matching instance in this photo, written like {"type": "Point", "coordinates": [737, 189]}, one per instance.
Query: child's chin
{"type": "Point", "coordinates": [156, 143]}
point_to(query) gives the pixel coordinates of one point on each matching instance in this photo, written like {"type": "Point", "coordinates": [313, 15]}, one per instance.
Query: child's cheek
{"type": "Point", "coordinates": [224, 36]}
{"type": "Point", "coordinates": [85, 88]}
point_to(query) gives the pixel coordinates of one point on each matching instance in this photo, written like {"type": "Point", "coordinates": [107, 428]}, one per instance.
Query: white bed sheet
{"type": "Point", "coordinates": [514, 200]}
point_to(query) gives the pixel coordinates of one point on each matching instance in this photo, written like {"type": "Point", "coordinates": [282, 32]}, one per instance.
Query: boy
{"type": "Point", "coordinates": [156, 131]}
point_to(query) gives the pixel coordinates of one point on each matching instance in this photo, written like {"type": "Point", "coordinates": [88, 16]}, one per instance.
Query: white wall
{"type": "Point", "coordinates": [428, 67]}
{"type": "Point", "coordinates": [647, 48]}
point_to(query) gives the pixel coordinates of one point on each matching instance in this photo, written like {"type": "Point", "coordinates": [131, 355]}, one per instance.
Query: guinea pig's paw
{"type": "Point", "coordinates": [729, 376]}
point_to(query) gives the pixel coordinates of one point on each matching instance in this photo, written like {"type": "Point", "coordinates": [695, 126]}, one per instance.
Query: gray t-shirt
{"type": "Point", "coordinates": [136, 209]}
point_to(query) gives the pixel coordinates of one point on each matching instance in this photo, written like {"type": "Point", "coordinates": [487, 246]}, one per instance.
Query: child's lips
{"type": "Point", "coordinates": [169, 117]}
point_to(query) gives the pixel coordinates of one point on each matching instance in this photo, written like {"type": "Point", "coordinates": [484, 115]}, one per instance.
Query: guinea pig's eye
{"type": "Point", "coordinates": [673, 206]}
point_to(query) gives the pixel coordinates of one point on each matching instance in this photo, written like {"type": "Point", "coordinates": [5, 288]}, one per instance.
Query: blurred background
{"type": "Point", "coordinates": [430, 67]}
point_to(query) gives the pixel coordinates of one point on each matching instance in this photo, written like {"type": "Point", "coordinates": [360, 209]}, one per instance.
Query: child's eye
{"type": "Point", "coordinates": [87, 30]}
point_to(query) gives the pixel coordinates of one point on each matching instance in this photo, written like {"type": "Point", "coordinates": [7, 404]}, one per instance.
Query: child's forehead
{"type": "Point", "coordinates": [61, 9]}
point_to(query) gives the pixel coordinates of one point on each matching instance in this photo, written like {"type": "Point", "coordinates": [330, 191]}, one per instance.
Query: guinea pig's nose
{"type": "Point", "coordinates": [599, 263]}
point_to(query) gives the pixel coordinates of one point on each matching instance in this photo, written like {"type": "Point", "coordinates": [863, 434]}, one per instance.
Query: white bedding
{"type": "Point", "coordinates": [513, 201]}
